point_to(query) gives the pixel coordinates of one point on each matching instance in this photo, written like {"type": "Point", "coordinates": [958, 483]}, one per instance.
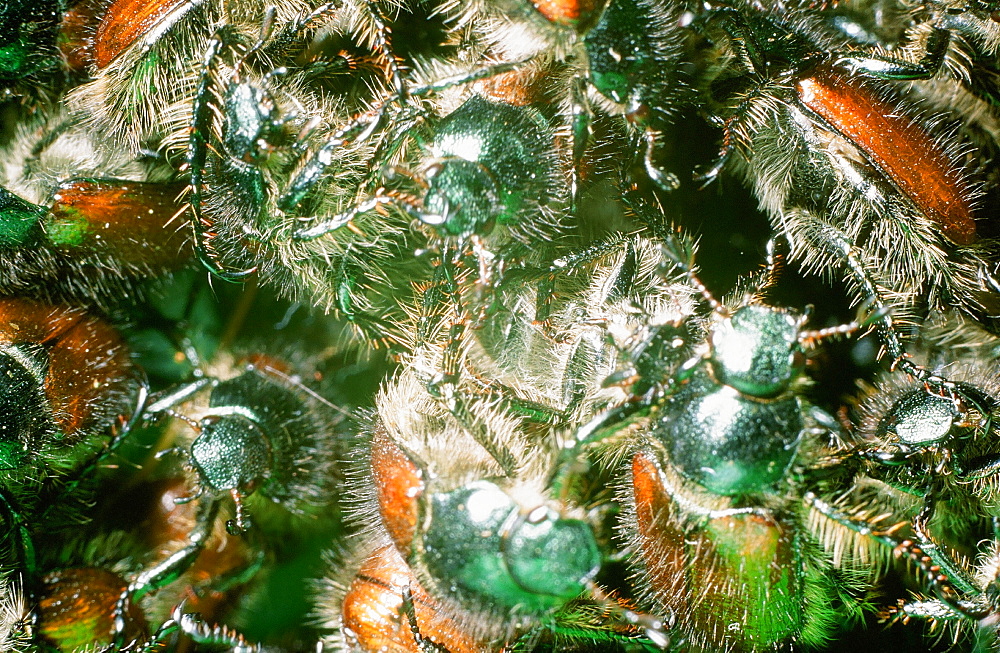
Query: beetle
{"type": "Point", "coordinates": [262, 432]}
{"type": "Point", "coordinates": [713, 497]}
{"type": "Point", "coordinates": [76, 608]}
{"type": "Point", "coordinates": [622, 56]}
{"type": "Point", "coordinates": [510, 560]}
{"type": "Point", "coordinates": [143, 57]}
{"type": "Point", "coordinates": [489, 175]}
{"type": "Point", "coordinates": [933, 443]}
{"type": "Point", "coordinates": [926, 456]}
{"type": "Point", "coordinates": [252, 137]}
{"type": "Point", "coordinates": [82, 221]}
{"type": "Point", "coordinates": [69, 383]}
{"type": "Point", "coordinates": [71, 396]}
{"type": "Point", "coordinates": [262, 436]}
{"type": "Point", "coordinates": [813, 133]}
{"type": "Point", "coordinates": [618, 56]}
{"type": "Point", "coordinates": [481, 535]}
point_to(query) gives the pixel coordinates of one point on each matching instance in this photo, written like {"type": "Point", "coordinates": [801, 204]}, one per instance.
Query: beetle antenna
{"type": "Point", "coordinates": [198, 144]}
{"type": "Point", "coordinates": [241, 523]}
{"type": "Point", "coordinates": [813, 337]}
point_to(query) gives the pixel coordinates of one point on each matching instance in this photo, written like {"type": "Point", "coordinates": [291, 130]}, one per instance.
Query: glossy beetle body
{"type": "Point", "coordinates": [261, 436]}
{"type": "Point", "coordinates": [822, 142]}
{"type": "Point", "coordinates": [476, 537]}
{"type": "Point", "coordinates": [487, 164]}
{"type": "Point", "coordinates": [722, 539]}
{"type": "Point", "coordinates": [88, 601]}
{"type": "Point", "coordinates": [479, 535]}
{"type": "Point", "coordinates": [738, 577]}
{"type": "Point", "coordinates": [567, 453]}
{"type": "Point", "coordinates": [473, 541]}
{"type": "Point", "coordinates": [260, 433]}
{"type": "Point", "coordinates": [81, 220]}
{"type": "Point", "coordinates": [929, 458]}
{"type": "Point", "coordinates": [734, 425]}
{"type": "Point", "coordinates": [721, 546]}
{"type": "Point", "coordinates": [620, 57]}
{"type": "Point", "coordinates": [57, 417]}
{"type": "Point", "coordinates": [495, 537]}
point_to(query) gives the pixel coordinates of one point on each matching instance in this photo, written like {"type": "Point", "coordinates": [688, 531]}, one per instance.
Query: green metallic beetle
{"type": "Point", "coordinates": [617, 57]}
{"type": "Point", "coordinates": [492, 547]}
{"type": "Point", "coordinates": [68, 385]}
{"type": "Point", "coordinates": [928, 456]}
{"type": "Point", "coordinates": [262, 436]}
{"type": "Point", "coordinates": [260, 139]}
{"type": "Point", "coordinates": [458, 483]}
{"type": "Point", "coordinates": [713, 502]}
{"type": "Point", "coordinates": [735, 421]}
{"type": "Point", "coordinates": [262, 432]}
{"type": "Point", "coordinates": [486, 164]}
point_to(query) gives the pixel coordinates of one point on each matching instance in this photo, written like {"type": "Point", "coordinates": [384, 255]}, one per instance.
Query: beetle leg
{"type": "Point", "coordinates": [338, 221]}
{"type": "Point", "coordinates": [665, 179]}
{"type": "Point", "coordinates": [199, 632]}
{"type": "Point", "coordinates": [883, 66]}
{"type": "Point", "coordinates": [861, 526]}
{"type": "Point", "coordinates": [197, 160]}
{"type": "Point", "coordinates": [170, 569]}
{"type": "Point", "coordinates": [940, 582]}
{"type": "Point", "coordinates": [177, 396]}
{"type": "Point", "coordinates": [408, 610]}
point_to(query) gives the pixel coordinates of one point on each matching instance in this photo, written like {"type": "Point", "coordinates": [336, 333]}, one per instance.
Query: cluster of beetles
{"type": "Point", "coordinates": [446, 326]}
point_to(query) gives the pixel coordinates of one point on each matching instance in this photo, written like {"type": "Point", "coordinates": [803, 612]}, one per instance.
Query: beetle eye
{"type": "Point", "coordinates": [433, 170]}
